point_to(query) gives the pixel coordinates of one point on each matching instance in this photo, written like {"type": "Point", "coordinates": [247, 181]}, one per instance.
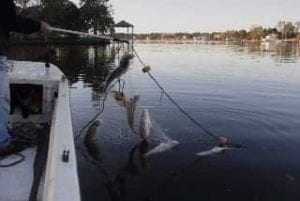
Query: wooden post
{"type": "Point", "coordinates": [127, 37]}
{"type": "Point", "coordinates": [132, 35]}
{"type": "Point", "coordinates": [118, 51]}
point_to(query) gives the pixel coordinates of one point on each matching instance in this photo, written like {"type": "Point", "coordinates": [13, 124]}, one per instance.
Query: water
{"type": "Point", "coordinates": [249, 94]}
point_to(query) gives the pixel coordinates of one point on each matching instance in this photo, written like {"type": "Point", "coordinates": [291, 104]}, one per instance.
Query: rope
{"type": "Point", "coordinates": [21, 159]}
{"type": "Point", "coordinates": [22, 136]}
{"type": "Point", "coordinates": [182, 110]}
{"type": "Point", "coordinates": [138, 57]}
{"type": "Point", "coordinates": [93, 119]}
{"type": "Point", "coordinates": [192, 119]}
{"type": "Point", "coordinates": [101, 109]}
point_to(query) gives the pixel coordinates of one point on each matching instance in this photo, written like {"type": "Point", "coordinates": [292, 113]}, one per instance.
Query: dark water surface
{"type": "Point", "coordinates": [250, 94]}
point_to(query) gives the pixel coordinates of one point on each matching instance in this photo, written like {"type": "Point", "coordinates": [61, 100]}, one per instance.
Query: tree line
{"type": "Point", "coordinates": [282, 30]}
{"type": "Point", "coordinates": [90, 15]}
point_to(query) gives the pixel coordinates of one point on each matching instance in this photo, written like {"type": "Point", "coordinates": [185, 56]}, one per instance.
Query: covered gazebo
{"type": "Point", "coordinates": [126, 25]}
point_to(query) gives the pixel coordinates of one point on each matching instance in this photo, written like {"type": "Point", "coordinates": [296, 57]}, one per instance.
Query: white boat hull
{"type": "Point", "coordinates": [59, 181]}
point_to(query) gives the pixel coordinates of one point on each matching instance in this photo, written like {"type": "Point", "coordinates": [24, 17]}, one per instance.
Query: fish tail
{"type": "Point", "coordinates": [131, 105]}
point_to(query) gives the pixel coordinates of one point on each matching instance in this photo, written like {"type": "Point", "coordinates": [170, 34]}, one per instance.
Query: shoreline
{"type": "Point", "coordinates": [103, 43]}
{"type": "Point", "coordinates": [16, 42]}
{"type": "Point", "coordinates": [211, 41]}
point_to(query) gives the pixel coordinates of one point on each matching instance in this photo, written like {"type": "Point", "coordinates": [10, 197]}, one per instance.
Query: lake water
{"type": "Point", "coordinates": [250, 94]}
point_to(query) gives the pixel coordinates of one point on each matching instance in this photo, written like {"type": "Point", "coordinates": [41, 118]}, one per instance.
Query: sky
{"type": "Point", "coordinates": [203, 15]}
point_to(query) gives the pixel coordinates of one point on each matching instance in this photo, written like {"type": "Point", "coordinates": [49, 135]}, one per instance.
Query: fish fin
{"type": "Point", "coordinates": [136, 98]}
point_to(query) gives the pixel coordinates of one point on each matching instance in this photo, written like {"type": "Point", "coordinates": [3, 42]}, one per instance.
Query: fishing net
{"type": "Point", "coordinates": [134, 115]}
{"type": "Point", "coordinates": [26, 133]}
{"type": "Point", "coordinates": [23, 136]}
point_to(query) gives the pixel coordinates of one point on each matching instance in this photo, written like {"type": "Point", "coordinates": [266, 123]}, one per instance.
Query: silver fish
{"type": "Point", "coordinates": [162, 147]}
{"type": "Point", "coordinates": [213, 151]}
{"type": "Point", "coordinates": [145, 125]}
{"type": "Point", "coordinates": [118, 72]}
{"type": "Point", "coordinates": [130, 108]}
{"type": "Point", "coordinates": [90, 142]}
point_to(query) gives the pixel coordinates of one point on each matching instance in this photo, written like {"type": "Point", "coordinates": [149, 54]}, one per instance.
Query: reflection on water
{"type": "Point", "coordinates": [281, 53]}
{"type": "Point", "coordinates": [248, 93]}
{"type": "Point", "coordinates": [80, 63]}
{"type": "Point", "coordinates": [136, 164]}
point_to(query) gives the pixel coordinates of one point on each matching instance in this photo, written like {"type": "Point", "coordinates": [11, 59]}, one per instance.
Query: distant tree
{"type": "Point", "coordinates": [269, 31]}
{"type": "Point", "coordinates": [243, 34]}
{"type": "Point", "coordinates": [34, 12]}
{"type": "Point", "coordinates": [235, 35]}
{"type": "Point", "coordinates": [297, 25]}
{"type": "Point", "coordinates": [72, 17]}
{"type": "Point", "coordinates": [280, 26]}
{"type": "Point", "coordinates": [96, 15]}
{"type": "Point", "coordinates": [61, 13]}
{"type": "Point", "coordinates": [256, 33]}
{"type": "Point", "coordinates": [196, 34]}
{"type": "Point", "coordinates": [154, 36]}
{"type": "Point", "coordinates": [289, 30]}
{"type": "Point", "coordinates": [53, 12]}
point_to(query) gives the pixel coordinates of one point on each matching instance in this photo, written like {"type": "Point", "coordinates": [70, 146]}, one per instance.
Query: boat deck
{"type": "Point", "coordinates": [15, 182]}
{"type": "Point", "coordinates": [40, 96]}
{"type": "Point", "coordinates": [21, 181]}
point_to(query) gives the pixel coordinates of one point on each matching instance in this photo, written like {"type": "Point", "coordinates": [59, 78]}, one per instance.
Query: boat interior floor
{"type": "Point", "coordinates": [21, 181]}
